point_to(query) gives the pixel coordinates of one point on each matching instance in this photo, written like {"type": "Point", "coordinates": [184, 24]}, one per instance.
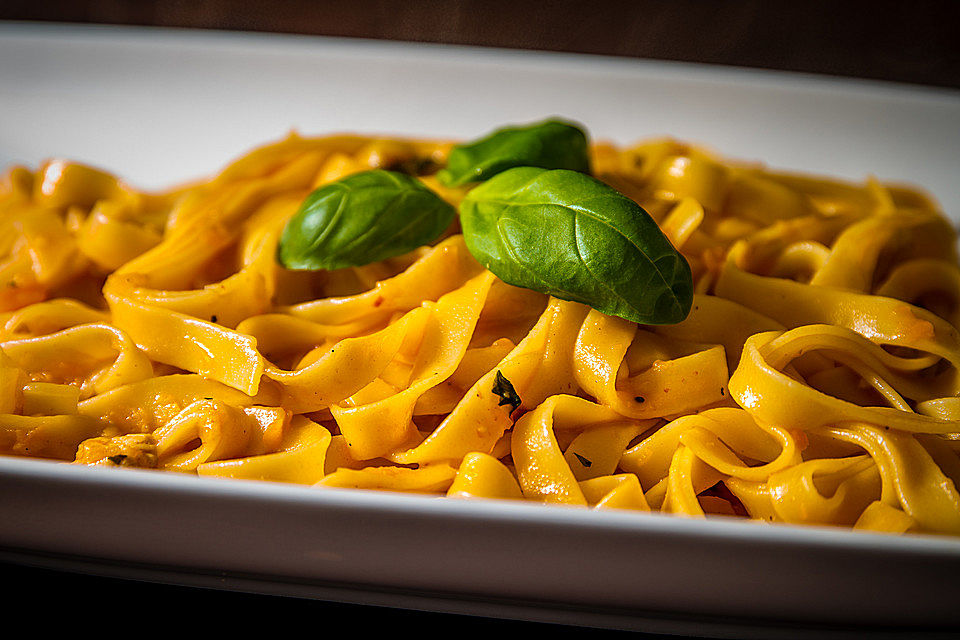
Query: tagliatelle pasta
{"type": "Point", "coordinates": [814, 381]}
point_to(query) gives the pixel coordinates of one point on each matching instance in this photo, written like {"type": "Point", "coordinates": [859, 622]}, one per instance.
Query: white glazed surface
{"type": "Point", "coordinates": [161, 107]}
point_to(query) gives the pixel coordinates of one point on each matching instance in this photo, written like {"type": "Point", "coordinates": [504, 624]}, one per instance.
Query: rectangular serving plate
{"type": "Point", "coordinates": [160, 107]}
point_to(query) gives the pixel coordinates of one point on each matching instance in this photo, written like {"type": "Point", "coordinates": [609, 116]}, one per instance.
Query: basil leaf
{"type": "Point", "coordinates": [363, 218]}
{"type": "Point", "coordinates": [551, 144]}
{"type": "Point", "coordinates": [571, 236]}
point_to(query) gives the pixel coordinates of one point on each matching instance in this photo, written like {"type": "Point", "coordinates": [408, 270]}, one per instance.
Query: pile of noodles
{"type": "Point", "coordinates": [814, 381]}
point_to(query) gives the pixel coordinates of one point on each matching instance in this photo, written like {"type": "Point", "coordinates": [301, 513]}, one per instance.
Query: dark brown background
{"type": "Point", "coordinates": [908, 41]}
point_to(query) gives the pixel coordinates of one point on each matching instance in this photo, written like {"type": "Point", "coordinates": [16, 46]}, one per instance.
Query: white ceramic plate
{"type": "Point", "coordinates": [159, 107]}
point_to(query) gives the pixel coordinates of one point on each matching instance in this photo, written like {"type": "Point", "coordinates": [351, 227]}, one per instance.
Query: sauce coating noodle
{"type": "Point", "coordinates": [815, 380]}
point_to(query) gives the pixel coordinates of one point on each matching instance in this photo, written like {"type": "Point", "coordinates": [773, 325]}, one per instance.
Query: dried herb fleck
{"type": "Point", "coordinates": [584, 461]}
{"type": "Point", "coordinates": [508, 395]}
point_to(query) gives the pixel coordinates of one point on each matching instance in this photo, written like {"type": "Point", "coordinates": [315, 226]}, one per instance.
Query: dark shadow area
{"type": "Point", "coordinates": [911, 42]}
{"type": "Point", "coordinates": [68, 600]}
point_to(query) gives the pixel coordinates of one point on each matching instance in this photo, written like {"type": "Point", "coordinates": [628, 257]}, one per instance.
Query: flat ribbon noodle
{"type": "Point", "coordinates": [757, 380]}
{"type": "Point", "coordinates": [539, 366]}
{"type": "Point", "coordinates": [542, 470]}
{"type": "Point", "coordinates": [816, 379]}
{"type": "Point", "coordinates": [601, 346]}
{"type": "Point", "coordinates": [79, 354]}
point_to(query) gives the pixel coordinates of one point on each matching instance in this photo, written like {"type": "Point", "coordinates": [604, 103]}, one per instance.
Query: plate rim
{"type": "Point", "coordinates": [502, 511]}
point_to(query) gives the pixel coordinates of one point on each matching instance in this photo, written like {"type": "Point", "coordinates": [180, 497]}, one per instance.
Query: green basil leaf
{"type": "Point", "coordinates": [552, 144]}
{"type": "Point", "coordinates": [363, 218]}
{"type": "Point", "coordinates": [571, 236]}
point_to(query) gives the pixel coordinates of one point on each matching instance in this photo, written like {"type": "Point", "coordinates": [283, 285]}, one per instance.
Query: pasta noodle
{"type": "Point", "coordinates": [815, 380]}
